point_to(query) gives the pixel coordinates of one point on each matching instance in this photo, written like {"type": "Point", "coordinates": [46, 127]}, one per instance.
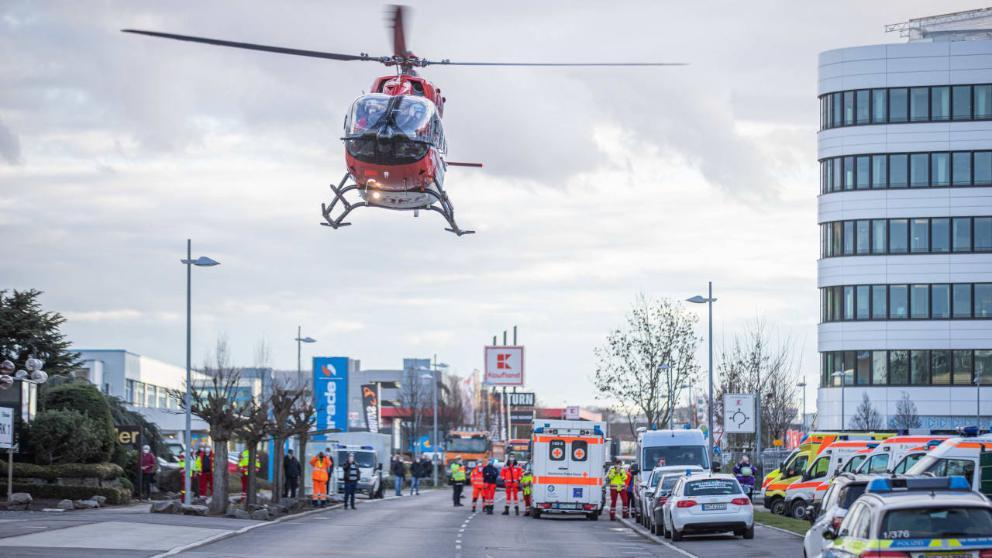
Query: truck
{"type": "Point", "coordinates": [472, 446]}
{"type": "Point", "coordinates": [567, 461]}
{"type": "Point", "coordinates": [371, 451]}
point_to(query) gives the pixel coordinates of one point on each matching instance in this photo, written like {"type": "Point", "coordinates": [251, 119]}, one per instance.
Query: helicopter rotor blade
{"type": "Point", "coordinates": [549, 64]}
{"type": "Point", "coordinates": [265, 48]}
{"type": "Point", "coordinates": [399, 33]}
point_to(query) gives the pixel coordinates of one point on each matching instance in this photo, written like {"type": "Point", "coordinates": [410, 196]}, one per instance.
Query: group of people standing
{"type": "Point", "coordinates": [484, 478]}
{"type": "Point", "coordinates": [322, 473]}
{"type": "Point", "coordinates": [419, 469]}
{"type": "Point", "coordinates": [202, 474]}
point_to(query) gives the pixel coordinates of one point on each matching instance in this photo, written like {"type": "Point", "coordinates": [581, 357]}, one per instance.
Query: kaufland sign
{"type": "Point", "coordinates": [330, 392]}
{"type": "Point", "coordinates": [505, 366]}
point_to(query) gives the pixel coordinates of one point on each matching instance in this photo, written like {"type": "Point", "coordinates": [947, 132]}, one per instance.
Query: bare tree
{"type": "Point", "coordinates": [629, 366]}
{"type": "Point", "coordinates": [302, 418]}
{"type": "Point", "coordinates": [906, 416]}
{"type": "Point", "coordinates": [255, 427]}
{"type": "Point", "coordinates": [215, 400]}
{"type": "Point", "coordinates": [415, 395]}
{"type": "Point", "coordinates": [283, 401]}
{"type": "Point", "coordinates": [866, 418]}
{"type": "Point", "coordinates": [757, 364]}
{"type": "Point", "coordinates": [451, 409]}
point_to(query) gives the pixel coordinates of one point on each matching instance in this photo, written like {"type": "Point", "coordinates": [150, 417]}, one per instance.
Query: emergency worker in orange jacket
{"type": "Point", "coordinates": [478, 485]}
{"type": "Point", "coordinates": [511, 474]}
{"type": "Point", "coordinates": [320, 465]}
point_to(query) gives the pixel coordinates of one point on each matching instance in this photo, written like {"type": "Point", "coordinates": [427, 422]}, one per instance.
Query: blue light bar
{"type": "Point", "coordinates": [597, 430]}
{"type": "Point", "coordinates": [879, 485]}
{"type": "Point", "coordinates": [368, 448]}
{"type": "Point", "coordinates": [958, 483]}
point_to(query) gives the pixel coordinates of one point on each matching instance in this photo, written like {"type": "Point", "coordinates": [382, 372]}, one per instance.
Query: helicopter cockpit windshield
{"type": "Point", "coordinates": [408, 114]}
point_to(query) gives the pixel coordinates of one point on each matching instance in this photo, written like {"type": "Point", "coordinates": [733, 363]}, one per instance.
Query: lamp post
{"type": "Point", "coordinates": [32, 375]}
{"type": "Point", "coordinates": [709, 300]}
{"type": "Point", "coordinates": [433, 377]}
{"type": "Point", "coordinates": [978, 400]}
{"type": "Point", "coordinates": [802, 385]}
{"type": "Point", "coordinates": [300, 340]}
{"type": "Point", "coordinates": [202, 261]}
{"type": "Point", "coordinates": [842, 374]}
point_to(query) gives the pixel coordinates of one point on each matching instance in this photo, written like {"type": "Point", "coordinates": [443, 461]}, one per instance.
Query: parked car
{"type": "Point", "coordinates": [708, 503]}
{"type": "Point", "coordinates": [655, 504]}
{"type": "Point", "coordinates": [646, 491]}
{"type": "Point", "coordinates": [829, 513]}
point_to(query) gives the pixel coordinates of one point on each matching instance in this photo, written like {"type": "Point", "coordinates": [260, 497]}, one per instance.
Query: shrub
{"type": "Point", "coordinates": [85, 398]}
{"type": "Point", "coordinates": [65, 436]}
{"type": "Point", "coordinates": [102, 471]}
{"type": "Point", "coordinates": [59, 492]}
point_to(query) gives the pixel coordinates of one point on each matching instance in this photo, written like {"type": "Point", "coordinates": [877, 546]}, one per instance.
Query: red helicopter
{"type": "Point", "coordinates": [394, 142]}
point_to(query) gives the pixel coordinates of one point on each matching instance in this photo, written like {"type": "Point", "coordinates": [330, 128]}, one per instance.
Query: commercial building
{"type": "Point", "coordinates": [905, 217]}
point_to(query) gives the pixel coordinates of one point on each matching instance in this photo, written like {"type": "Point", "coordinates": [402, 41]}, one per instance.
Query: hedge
{"type": "Point", "coordinates": [102, 471]}
{"type": "Point", "coordinates": [87, 399]}
{"type": "Point", "coordinates": [60, 492]}
{"type": "Point", "coordinates": [66, 436]}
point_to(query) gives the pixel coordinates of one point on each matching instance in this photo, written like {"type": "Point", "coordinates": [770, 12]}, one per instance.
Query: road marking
{"type": "Point", "coordinates": [651, 537]}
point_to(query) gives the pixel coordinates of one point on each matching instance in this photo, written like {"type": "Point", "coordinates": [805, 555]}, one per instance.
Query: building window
{"type": "Point", "coordinates": [983, 300]}
{"type": "Point", "coordinates": [961, 304]}
{"type": "Point", "coordinates": [919, 236]}
{"type": "Point", "coordinates": [919, 170]}
{"type": "Point", "coordinates": [898, 231]}
{"type": "Point", "coordinates": [961, 241]}
{"type": "Point", "coordinates": [919, 302]}
{"type": "Point", "coordinates": [962, 367]}
{"type": "Point", "coordinates": [861, 102]}
{"type": "Point", "coordinates": [919, 100]}
{"type": "Point", "coordinates": [940, 301]}
{"type": "Point", "coordinates": [940, 103]}
{"type": "Point", "coordinates": [862, 374]}
{"type": "Point", "coordinates": [983, 367]}
{"type": "Point", "coordinates": [940, 367]}
{"type": "Point", "coordinates": [898, 302]}
{"type": "Point", "coordinates": [848, 303]}
{"type": "Point", "coordinates": [848, 108]}
{"type": "Point", "coordinates": [916, 236]}
{"type": "Point", "coordinates": [863, 237]}
{"type": "Point", "coordinates": [899, 368]}
{"type": "Point", "coordinates": [879, 298]}
{"type": "Point", "coordinates": [983, 101]}
{"type": "Point", "coordinates": [983, 168]}
{"type": "Point", "coordinates": [961, 168]}
{"type": "Point", "coordinates": [129, 392]}
{"type": "Point", "coordinates": [863, 299]}
{"type": "Point", "coordinates": [940, 166]}
{"type": "Point", "coordinates": [982, 230]}
{"type": "Point", "coordinates": [878, 105]}
{"type": "Point", "coordinates": [940, 236]}
{"type": "Point", "coordinates": [878, 240]}
{"type": "Point", "coordinates": [898, 105]}
{"type": "Point", "coordinates": [879, 172]}
{"type": "Point", "coordinates": [879, 368]}
{"type": "Point", "coordinates": [961, 99]}
{"type": "Point", "coordinates": [139, 399]}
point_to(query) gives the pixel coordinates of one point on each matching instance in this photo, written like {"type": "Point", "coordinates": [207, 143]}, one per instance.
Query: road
{"type": "Point", "coordinates": [425, 525]}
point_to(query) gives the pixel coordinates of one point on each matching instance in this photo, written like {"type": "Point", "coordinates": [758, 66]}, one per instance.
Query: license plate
{"type": "Point", "coordinates": [946, 555]}
{"type": "Point", "coordinates": [710, 507]}
{"type": "Point", "coordinates": [566, 506]}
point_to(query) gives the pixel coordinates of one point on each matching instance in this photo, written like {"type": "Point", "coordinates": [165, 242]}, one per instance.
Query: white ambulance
{"type": "Point", "coordinates": [883, 459]}
{"type": "Point", "coordinates": [567, 460]}
{"type": "Point", "coordinates": [815, 481]}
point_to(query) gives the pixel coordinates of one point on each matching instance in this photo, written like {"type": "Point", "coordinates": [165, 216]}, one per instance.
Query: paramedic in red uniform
{"type": "Point", "coordinates": [490, 474]}
{"type": "Point", "coordinates": [617, 478]}
{"type": "Point", "coordinates": [511, 474]}
{"type": "Point", "coordinates": [478, 486]}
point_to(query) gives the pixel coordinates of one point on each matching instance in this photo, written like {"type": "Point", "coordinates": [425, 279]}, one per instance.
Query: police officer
{"type": "Point", "coordinates": [457, 475]}
{"type": "Point", "coordinates": [351, 475]}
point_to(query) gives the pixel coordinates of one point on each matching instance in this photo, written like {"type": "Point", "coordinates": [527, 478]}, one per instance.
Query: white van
{"type": "Point", "coordinates": [667, 448]}
{"type": "Point", "coordinates": [955, 457]}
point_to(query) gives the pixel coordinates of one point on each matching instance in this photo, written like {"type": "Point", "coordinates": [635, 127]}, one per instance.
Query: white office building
{"type": "Point", "coordinates": [905, 216]}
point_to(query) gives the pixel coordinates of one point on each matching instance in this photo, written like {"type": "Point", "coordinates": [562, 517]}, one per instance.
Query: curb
{"type": "Point", "coordinates": [637, 528]}
{"type": "Point", "coordinates": [786, 531]}
{"type": "Point", "coordinates": [219, 537]}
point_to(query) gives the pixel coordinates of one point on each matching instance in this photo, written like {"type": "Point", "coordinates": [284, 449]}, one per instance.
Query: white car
{"type": "Point", "coordinates": [844, 490]}
{"type": "Point", "coordinates": [708, 503]}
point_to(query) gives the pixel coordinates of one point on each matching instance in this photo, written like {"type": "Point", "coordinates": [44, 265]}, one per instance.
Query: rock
{"type": "Point", "coordinates": [86, 504]}
{"type": "Point", "coordinates": [278, 509]}
{"type": "Point", "coordinates": [201, 500]}
{"type": "Point", "coordinates": [261, 515]}
{"type": "Point", "coordinates": [166, 506]}
{"type": "Point", "coordinates": [65, 505]}
{"type": "Point", "coordinates": [193, 509]}
{"type": "Point", "coordinates": [102, 500]}
{"type": "Point", "coordinates": [20, 498]}
{"type": "Point", "coordinates": [238, 513]}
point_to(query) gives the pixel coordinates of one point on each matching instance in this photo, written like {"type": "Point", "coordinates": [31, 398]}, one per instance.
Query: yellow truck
{"type": "Point", "coordinates": [775, 483]}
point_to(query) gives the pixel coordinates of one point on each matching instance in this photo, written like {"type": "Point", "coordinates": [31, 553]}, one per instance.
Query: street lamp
{"type": "Point", "coordinates": [842, 374]}
{"type": "Point", "coordinates": [978, 400]}
{"type": "Point", "coordinates": [33, 375]}
{"type": "Point", "coordinates": [802, 385]}
{"type": "Point", "coordinates": [299, 352]}
{"type": "Point", "coordinates": [433, 377]}
{"type": "Point", "coordinates": [202, 261]}
{"type": "Point", "coordinates": [709, 300]}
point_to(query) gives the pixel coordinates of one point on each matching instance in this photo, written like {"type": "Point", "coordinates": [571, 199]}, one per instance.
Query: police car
{"type": "Point", "coordinates": [708, 503]}
{"type": "Point", "coordinates": [915, 518]}
{"type": "Point", "coordinates": [843, 492]}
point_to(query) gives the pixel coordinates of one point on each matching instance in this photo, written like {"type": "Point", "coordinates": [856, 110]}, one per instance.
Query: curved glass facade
{"type": "Point", "coordinates": [879, 171]}
{"type": "Point", "coordinates": [894, 105]}
{"type": "Point", "coordinates": [906, 367]}
{"type": "Point", "coordinates": [914, 235]}
{"type": "Point", "coordinates": [912, 301]}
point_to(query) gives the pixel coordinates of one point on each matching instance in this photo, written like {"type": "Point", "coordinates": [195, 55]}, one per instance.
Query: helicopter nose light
{"type": "Point", "coordinates": [376, 195]}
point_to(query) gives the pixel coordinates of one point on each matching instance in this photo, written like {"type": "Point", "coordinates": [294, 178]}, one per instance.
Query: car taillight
{"type": "Point", "coordinates": [740, 501]}
{"type": "Point", "coordinates": [883, 554]}
{"type": "Point", "coordinates": [985, 553]}
{"type": "Point", "coordinates": [662, 500]}
{"type": "Point", "coordinates": [588, 507]}
{"type": "Point", "coordinates": [685, 503]}
{"type": "Point", "coordinates": [546, 506]}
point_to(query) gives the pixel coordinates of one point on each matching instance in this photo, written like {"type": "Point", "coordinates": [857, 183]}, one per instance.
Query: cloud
{"type": "Point", "coordinates": [10, 145]}
{"type": "Point", "coordinates": [94, 316]}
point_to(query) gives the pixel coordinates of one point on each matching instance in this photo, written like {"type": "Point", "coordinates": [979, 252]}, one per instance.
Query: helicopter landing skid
{"type": "Point", "coordinates": [436, 200]}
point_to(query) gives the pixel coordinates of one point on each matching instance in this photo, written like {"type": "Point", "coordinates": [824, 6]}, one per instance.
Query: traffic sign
{"type": "Point", "coordinates": [505, 366]}
{"type": "Point", "coordinates": [738, 413]}
{"type": "Point", "coordinates": [6, 428]}
{"type": "Point", "coordinates": [521, 398]}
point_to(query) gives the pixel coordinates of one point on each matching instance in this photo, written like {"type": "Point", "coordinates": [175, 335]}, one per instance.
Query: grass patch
{"type": "Point", "coordinates": [797, 526]}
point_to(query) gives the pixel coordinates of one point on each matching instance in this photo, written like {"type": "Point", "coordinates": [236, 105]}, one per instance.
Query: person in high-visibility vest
{"type": "Point", "coordinates": [194, 477]}
{"type": "Point", "coordinates": [478, 486]}
{"type": "Point", "coordinates": [457, 475]}
{"type": "Point", "coordinates": [243, 464]}
{"type": "Point", "coordinates": [320, 465]}
{"type": "Point", "coordinates": [617, 477]}
{"type": "Point", "coordinates": [628, 490]}
{"type": "Point", "coordinates": [205, 463]}
{"type": "Point", "coordinates": [526, 485]}
{"type": "Point", "coordinates": [511, 474]}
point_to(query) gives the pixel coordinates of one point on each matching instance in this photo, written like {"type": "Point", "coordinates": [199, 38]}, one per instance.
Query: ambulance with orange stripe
{"type": "Point", "coordinates": [884, 458]}
{"type": "Point", "coordinates": [815, 480]}
{"type": "Point", "coordinates": [963, 457]}
{"type": "Point", "coordinates": [775, 483]}
{"type": "Point", "coordinates": [567, 460]}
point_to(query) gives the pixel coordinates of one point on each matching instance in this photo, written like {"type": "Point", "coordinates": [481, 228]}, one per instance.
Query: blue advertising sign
{"type": "Point", "coordinates": [330, 392]}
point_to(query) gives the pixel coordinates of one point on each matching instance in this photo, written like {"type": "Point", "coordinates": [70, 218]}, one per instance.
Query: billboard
{"type": "Point", "coordinates": [330, 392]}
{"type": "Point", "coordinates": [738, 413]}
{"type": "Point", "coordinates": [505, 366]}
{"type": "Point", "coordinates": [370, 404]}
{"type": "Point", "coordinates": [520, 398]}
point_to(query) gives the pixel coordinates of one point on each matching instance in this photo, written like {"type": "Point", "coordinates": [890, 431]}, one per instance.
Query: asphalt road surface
{"type": "Point", "coordinates": [428, 525]}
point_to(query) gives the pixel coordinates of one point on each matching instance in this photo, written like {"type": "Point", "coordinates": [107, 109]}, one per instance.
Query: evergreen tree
{"type": "Point", "coordinates": [26, 329]}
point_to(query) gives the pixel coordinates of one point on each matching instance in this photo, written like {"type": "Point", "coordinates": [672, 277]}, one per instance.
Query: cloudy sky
{"type": "Point", "coordinates": [599, 183]}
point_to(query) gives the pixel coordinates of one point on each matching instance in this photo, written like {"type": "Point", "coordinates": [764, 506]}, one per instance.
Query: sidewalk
{"type": "Point", "coordinates": [117, 531]}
